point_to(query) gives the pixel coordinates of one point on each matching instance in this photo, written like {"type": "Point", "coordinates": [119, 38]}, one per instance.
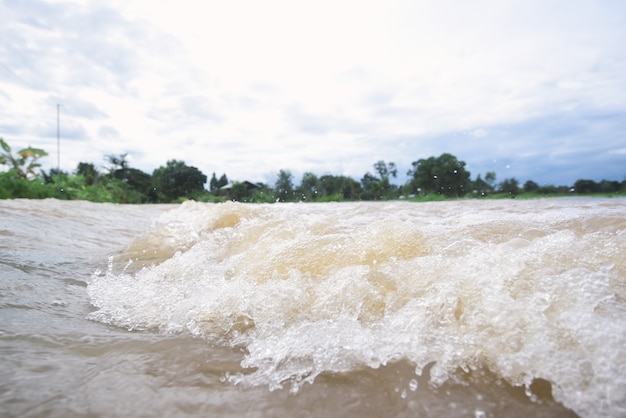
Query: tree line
{"type": "Point", "coordinates": [433, 178]}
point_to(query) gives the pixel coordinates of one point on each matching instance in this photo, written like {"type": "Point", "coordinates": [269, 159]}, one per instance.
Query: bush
{"type": "Point", "coordinates": [12, 186]}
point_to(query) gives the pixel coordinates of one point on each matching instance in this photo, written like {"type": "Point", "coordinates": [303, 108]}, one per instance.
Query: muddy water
{"type": "Point", "coordinates": [464, 308]}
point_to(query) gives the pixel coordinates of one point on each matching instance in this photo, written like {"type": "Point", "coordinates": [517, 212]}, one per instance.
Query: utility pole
{"type": "Point", "coordinates": [58, 149]}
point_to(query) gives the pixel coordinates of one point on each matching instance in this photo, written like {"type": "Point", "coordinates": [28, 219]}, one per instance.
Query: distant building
{"type": "Point", "coordinates": [226, 190]}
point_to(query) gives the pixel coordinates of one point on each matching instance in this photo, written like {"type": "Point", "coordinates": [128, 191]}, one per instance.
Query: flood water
{"type": "Point", "coordinates": [470, 308]}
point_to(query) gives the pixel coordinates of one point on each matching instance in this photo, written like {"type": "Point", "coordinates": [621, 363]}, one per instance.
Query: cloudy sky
{"type": "Point", "coordinates": [531, 89]}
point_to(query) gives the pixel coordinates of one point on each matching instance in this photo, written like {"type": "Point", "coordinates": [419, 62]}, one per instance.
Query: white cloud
{"type": "Point", "coordinates": [248, 88]}
{"type": "Point", "coordinates": [479, 133]}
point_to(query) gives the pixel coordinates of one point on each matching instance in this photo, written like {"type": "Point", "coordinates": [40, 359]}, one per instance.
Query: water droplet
{"type": "Point", "coordinates": [479, 413]}
{"type": "Point", "coordinates": [607, 266]}
{"type": "Point", "coordinates": [413, 385]}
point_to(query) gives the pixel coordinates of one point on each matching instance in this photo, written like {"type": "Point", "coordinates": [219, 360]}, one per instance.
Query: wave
{"type": "Point", "coordinates": [532, 291]}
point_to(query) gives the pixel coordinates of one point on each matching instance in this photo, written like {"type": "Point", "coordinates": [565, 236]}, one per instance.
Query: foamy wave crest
{"type": "Point", "coordinates": [528, 290]}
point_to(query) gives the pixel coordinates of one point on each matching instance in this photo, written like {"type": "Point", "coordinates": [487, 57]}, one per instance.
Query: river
{"type": "Point", "coordinates": [469, 308]}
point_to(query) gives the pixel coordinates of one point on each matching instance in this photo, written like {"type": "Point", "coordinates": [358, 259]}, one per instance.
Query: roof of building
{"type": "Point", "coordinates": [248, 184]}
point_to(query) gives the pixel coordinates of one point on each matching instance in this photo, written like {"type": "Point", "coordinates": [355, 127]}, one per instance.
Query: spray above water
{"type": "Point", "coordinates": [531, 291]}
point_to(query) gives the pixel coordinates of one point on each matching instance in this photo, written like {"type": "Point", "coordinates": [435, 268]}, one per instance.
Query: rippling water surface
{"type": "Point", "coordinates": [464, 308]}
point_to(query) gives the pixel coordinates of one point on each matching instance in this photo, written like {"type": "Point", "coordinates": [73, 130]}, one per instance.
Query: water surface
{"type": "Point", "coordinates": [465, 308]}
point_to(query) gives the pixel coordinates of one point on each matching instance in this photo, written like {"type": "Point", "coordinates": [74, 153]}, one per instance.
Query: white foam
{"type": "Point", "coordinates": [529, 289]}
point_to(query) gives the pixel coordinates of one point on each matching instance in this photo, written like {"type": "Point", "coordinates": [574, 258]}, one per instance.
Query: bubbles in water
{"type": "Point", "coordinates": [530, 394]}
{"type": "Point", "coordinates": [128, 264]}
{"type": "Point", "coordinates": [586, 371]}
{"type": "Point", "coordinates": [608, 266]}
{"type": "Point", "coordinates": [479, 413]}
{"type": "Point", "coordinates": [225, 377]}
{"type": "Point", "coordinates": [308, 289]}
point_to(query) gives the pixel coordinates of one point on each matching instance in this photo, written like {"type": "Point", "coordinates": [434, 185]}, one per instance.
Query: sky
{"type": "Point", "coordinates": [528, 89]}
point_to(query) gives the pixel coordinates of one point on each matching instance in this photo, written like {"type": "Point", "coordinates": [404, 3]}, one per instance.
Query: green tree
{"type": "Point", "coordinates": [127, 184]}
{"type": "Point", "coordinates": [117, 163]}
{"type": "Point", "coordinates": [139, 181]}
{"type": "Point", "coordinates": [586, 186]}
{"type": "Point", "coordinates": [263, 194]}
{"type": "Point", "coordinates": [283, 188]}
{"type": "Point", "coordinates": [308, 189]}
{"type": "Point", "coordinates": [371, 187]}
{"type": "Point", "coordinates": [441, 175]}
{"type": "Point", "coordinates": [530, 186]}
{"type": "Point", "coordinates": [89, 172]}
{"type": "Point", "coordinates": [215, 185]}
{"type": "Point", "coordinates": [177, 180]}
{"type": "Point", "coordinates": [510, 186]}
{"type": "Point", "coordinates": [338, 188]}
{"type": "Point", "coordinates": [490, 178]}
{"type": "Point", "coordinates": [239, 192]}
{"type": "Point", "coordinates": [386, 170]}
{"type": "Point", "coordinates": [52, 176]}
{"type": "Point", "coordinates": [24, 163]}
{"type": "Point", "coordinates": [379, 188]}
{"type": "Point", "coordinates": [481, 187]}
{"type": "Point", "coordinates": [223, 181]}
{"type": "Point", "coordinates": [609, 186]}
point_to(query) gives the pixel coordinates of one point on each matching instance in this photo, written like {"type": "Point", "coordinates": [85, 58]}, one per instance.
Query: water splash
{"type": "Point", "coordinates": [527, 289]}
